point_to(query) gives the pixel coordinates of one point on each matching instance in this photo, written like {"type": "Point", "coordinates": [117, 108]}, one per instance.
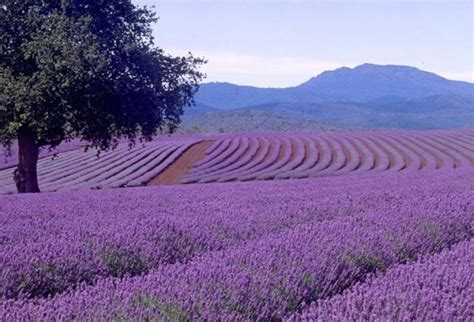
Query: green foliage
{"type": "Point", "coordinates": [47, 279]}
{"type": "Point", "coordinates": [167, 312]}
{"type": "Point", "coordinates": [88, 69]}
{"type": "Point", "coordinates": [122, 262]}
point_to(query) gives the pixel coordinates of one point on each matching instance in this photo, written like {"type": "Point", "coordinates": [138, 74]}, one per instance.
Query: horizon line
{"type": "Point", "coordinates": [449, 77]}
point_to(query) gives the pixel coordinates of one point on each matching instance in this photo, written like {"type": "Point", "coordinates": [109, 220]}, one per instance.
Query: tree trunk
{"type": "Point", "coordinates": [25, 176]}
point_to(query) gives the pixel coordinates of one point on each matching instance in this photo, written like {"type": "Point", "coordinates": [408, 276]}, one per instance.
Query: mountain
{"type": "Point", "coordinates": [228, 96]}
{"type": "Point", "coordinates": [427, 113]}
{"type": "Point", "coordinates": [368, 82]}
{"type": "Point", "coordinates": [362, 84]}
{"type": "Point", "coordinates": [367, 96]}
{"type": "Point", "coordinates": [199, 109]}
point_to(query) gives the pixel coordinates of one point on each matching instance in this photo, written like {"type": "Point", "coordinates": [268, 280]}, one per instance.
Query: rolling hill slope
{"type": "Point", "coordinates": [361, 84]}
{"type": "Point", "coordinates": [253, 156]}
{"type": "Point", "coordinates": [242, 251]}
{"type": "Point", "coordinates": [367, 96]}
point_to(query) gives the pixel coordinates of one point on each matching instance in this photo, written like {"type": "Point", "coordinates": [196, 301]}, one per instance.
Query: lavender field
{"type": "Point", "coordinates": [236, 160]}
{"type": "Point", "coordinates": [245, 157]}
{"type": "Point", "coordinates": [382, 245]}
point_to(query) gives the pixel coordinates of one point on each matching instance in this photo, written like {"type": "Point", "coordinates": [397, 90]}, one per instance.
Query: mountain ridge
{"type": "Point", "coordinates": [366, 96]}
{"type": "Point", "coordinates": [362, 83]}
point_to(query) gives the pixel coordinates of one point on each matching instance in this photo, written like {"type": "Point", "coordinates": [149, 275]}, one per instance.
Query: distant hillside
{"type": "Point", "coordinates": [367, 96]}
{"type": "Point", "coordinates": [427, 113]}
{"type": "Point", "coordinates": [361, 84]}
{"type": "Point", "coordinates": [200, 109]}
{"type": "Point", "coordinates": [433, 112]}
{"type": "Point", "coordinates": [368, 82]}
{"type": "Point", "coordinates": [252, 120]}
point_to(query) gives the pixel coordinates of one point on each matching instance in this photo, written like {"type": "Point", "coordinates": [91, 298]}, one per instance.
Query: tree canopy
{"type": "Point", "coordinates": [86, 69]}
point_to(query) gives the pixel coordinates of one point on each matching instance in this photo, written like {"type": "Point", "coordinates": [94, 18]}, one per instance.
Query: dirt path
{"type": "Point", "coordinates": [174, 173]}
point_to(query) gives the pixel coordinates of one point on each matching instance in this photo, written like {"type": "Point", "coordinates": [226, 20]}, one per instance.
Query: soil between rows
{"type": "Point", "coordinates": [174, 173]}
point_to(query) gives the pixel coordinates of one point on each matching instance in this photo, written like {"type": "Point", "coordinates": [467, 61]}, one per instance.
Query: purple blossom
{"type": "Point", "coordinates": [240, 251]}
{"type": "Point", "coordinates": [435, 288]}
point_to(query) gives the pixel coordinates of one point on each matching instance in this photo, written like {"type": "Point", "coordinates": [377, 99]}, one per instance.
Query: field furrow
{"type": "Point", "coordinates": [245, 157]}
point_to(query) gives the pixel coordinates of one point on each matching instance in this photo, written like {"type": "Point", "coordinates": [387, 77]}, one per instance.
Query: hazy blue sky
{"type": "Point", "coordinates": [283, 43]}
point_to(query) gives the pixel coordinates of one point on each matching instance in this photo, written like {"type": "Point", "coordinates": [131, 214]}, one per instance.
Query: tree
{"type": "Point", "coordinates": [85, 69]}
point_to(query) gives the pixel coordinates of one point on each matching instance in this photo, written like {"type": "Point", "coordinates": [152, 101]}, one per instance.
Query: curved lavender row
{"type": "Point", "coordinates": [298, 157]}
{"type": "Point", "coordinates": [268, 278]}
{"type": "Point", "coordinates": [212, 148]}
{"type": "Point", "coordinates": [138, 169]}
{"type": "Point", "coordinates": [366, 153]}
{"type": "Point", "coordinates": [7, 175]}
{"type": "Point", "coordinates": [338, 159]}
{"type": "Point", "coordinates": [435, 150]}
{"type": "Point", "coordinates": [130, 166]}
{"type": "Point", "coordinates": [215, 161]}
{"type": "Point", "coordinates": [435, 288]}
{"type": "Point", "coordinates": [263, 150]}
{"type": "Point", "coordinates": [461, 148]}
{"type": "Point", "coordinates": [273, 154]}
{"type": "Point", "coordinates": [49, 165]}
{"type": "Point", "coordinates": [4, 174]}
{"type": "Point", "coordinates": [443, 159]}
{"type": "Point", "coordinates": [448, 157]}
{"type": "Point", "coordinates": [454, 136]}
{"type": "Point", "coordinates": [412, 160]}
{"type": "Point", "coordinates": [466, 138]}
{"type": "Point", "coordinates": [149, 175]}
{"type": "Point", "coordinates": [458, 140]}
{"type": "Point", "coordinates": [216, 156]}
{"type": "Point", "coordinates": [312, 157]}
{"type": "Point", "coordinates": [229, 159]}
{"type": "Point", "coordinates": [416, 156]}
{"type": "Point", "coordinates": [113, 169]}
{"type": "Point", "coordinates": [231, 163]}
{"type": "Point", "coordinates": [434, 161]}
{"type": "Point", "coordinates": [126, 171]}
{"type": "Point", "coordinates": [210, 151]}
{"type": "Point", "coordinates": [8, 186]}
{"type": "Point", "coordinates": [324, 159]}
{"type": "Point", "coordinates": [286, 148]}
{"type": "Point", "coordinates": [390, 159]}
{"type": "Point", "coordinates": [235, 167]}
{"type": "Point", "coordinates": [353, 158]}
{"type": "Point", "coordinates": [429, 161]}
{"type": "Point", "coordinates": [73, 170]}
{"type": "Point", "coordinates": [64, 161]}
{"type": "Point", "coordinates": [12, 160]}
{"type": "Point", "coordinates": [102, 166]}
{"type": "Point", "coordinates": [46, 164]}
{"type": "Point", "coordinates": [91, 162]}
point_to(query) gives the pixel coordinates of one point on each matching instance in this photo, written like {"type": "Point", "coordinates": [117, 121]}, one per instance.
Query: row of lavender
{"type": "Point", "coordinates": [124, 166]}
{"type": "Point", "coordinates": [248, 157]}
{"type": "Point", "coordinates": [9, 159]}
{"type": "Point", "coordinates": [435, 288]}
{"type": "Point", "coordinates": [182, 223]}
{"type": "Point", "coordinates": [241, 251]}
{"type": "Point", "coordinates": [282, 156]}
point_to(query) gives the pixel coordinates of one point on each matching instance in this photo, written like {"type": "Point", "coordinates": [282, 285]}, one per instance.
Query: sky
{"type": "Point", "coordinates": [280, 43]}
